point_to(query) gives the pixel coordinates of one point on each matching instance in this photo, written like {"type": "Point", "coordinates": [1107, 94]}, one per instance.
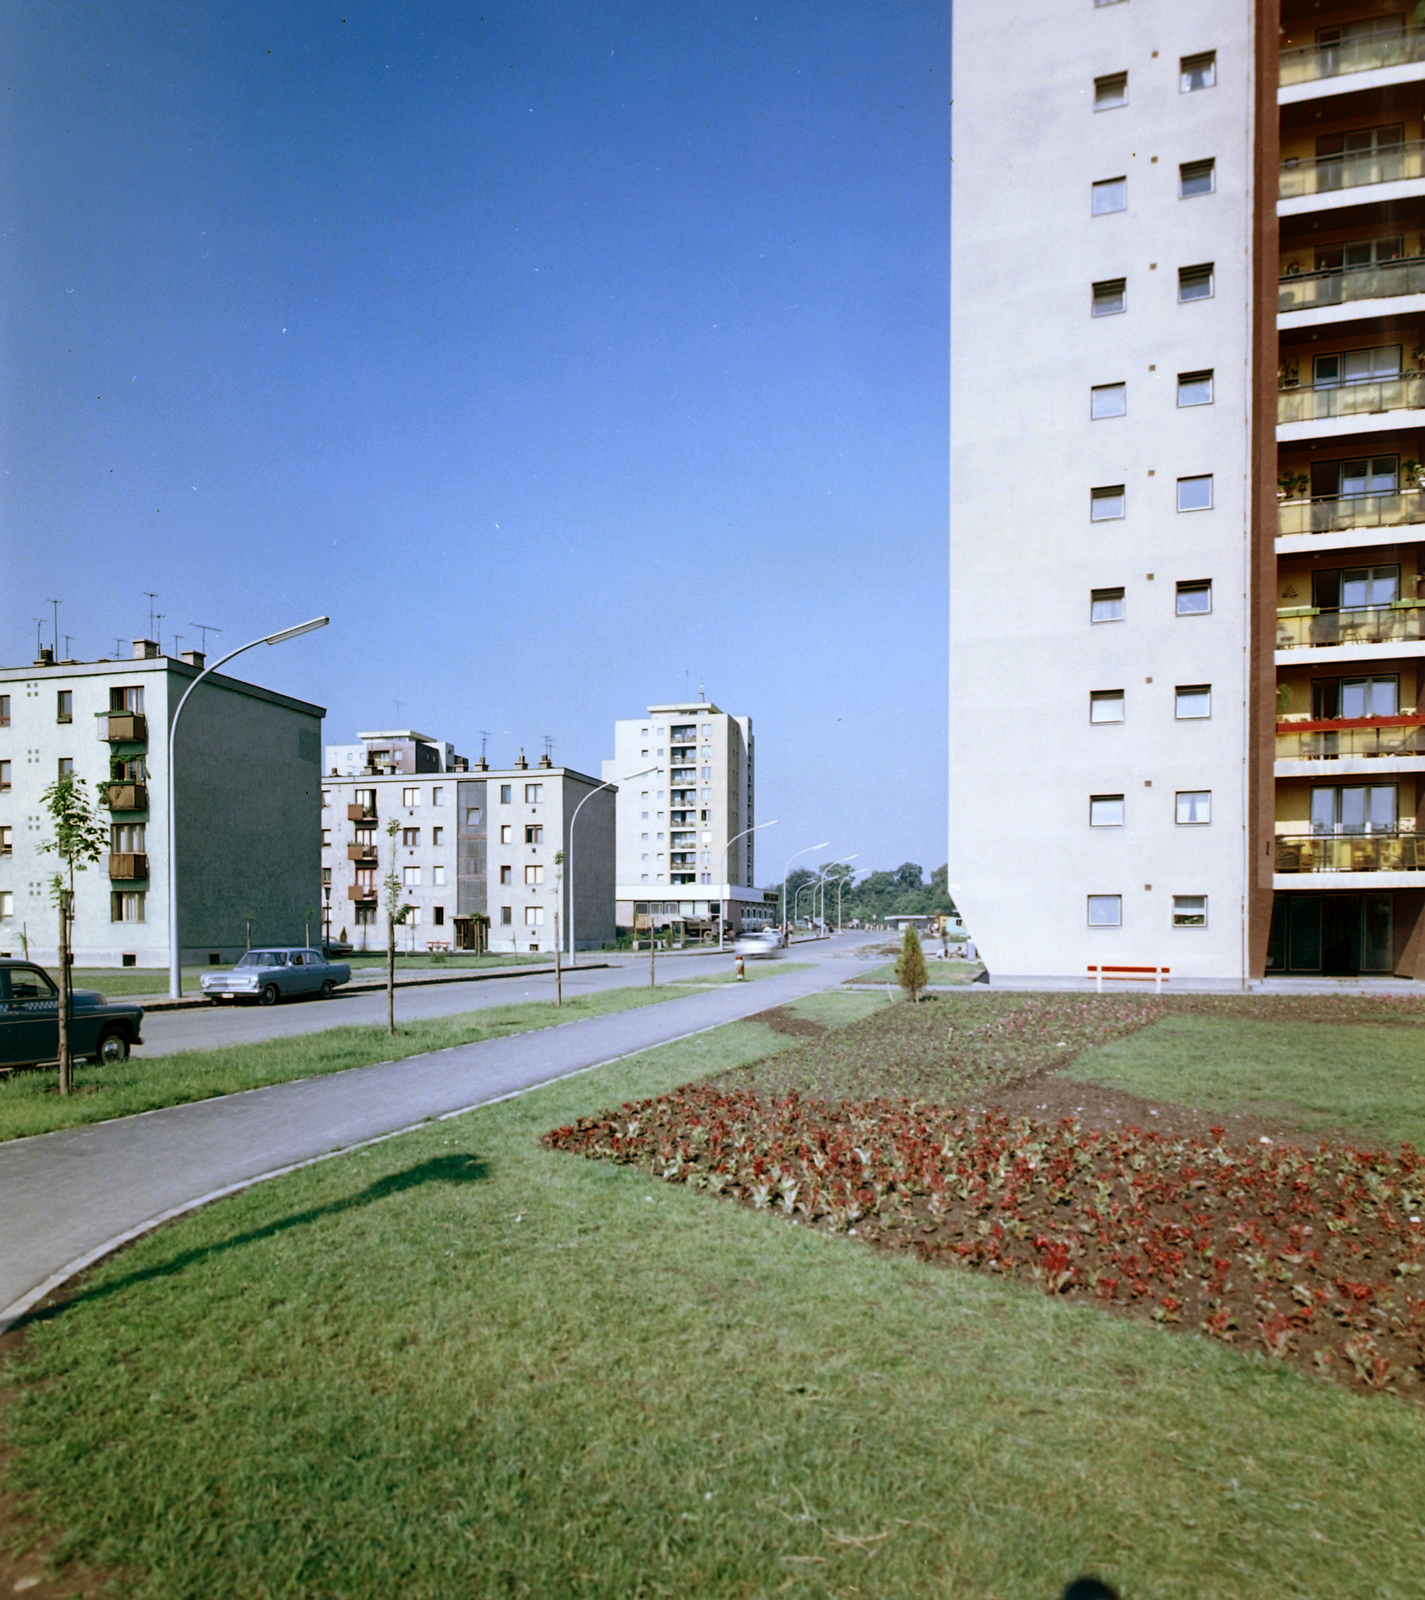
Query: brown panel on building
{"type": "Point", "coordinates": [1409, 922]}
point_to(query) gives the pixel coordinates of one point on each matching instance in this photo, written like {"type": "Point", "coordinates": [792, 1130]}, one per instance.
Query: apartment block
{"type": "Point", "coordinates": [475, 848]}
{"type": "Point", "coordinates": [687, 796]}
{"type": "Point", "coordinates": [1186, 579]}
{"type": "Point", "coordinates": [247, 795]}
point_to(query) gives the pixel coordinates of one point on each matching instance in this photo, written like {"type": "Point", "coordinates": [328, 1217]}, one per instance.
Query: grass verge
{"type": "Point", "coordinates": [456, 1363]}
{"type": "Point", "coordinates": [941, 972]}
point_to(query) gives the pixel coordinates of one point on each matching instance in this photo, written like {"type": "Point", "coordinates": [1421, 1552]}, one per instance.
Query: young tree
{"type": "Point", "coordinates": [396, 914]}
{"type": "Point", "coordinates": [910, 966]}
{"type": "Point", "coordinates": [558, 902]}
{"type": "Point", "coordinates": [79, 839]}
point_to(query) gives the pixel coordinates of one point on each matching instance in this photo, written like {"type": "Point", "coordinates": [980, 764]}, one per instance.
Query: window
{"type": "Point", "coordinates": [365, 915]}
{"type": "Point", "coordinates": [126, 905]}
{"type": "Point", "coordinates": [1354, 808]}
{"type": "Point", "coordinates": [326, 838]}
{"type": "Point", "coordinates": [413, 916]}
{"type": "Point", "coordinates": [1195, 283]}
{"type": "Point", "coordinates": [1106, 605]}
{"type": "Point", "coordinates": [1195, 388]}
{"type": "Point", "coordinates": [7, 903]}
{"type": "Point", "coordinates": [1110, 297]}
{"type": "Point", "coordinates": [534, 916]}
{"type": "Point", "coordinates": [533, 793]}
{"type": "Point", "coordinates": [1195, 178]}
{"type": "Point", "coordinates": [1110, 91]}
{"type": "Point", "coordinates": [126, 698]}
{"type": "Point", "coordinates": [1194, 700]}
{"type": "Point", "coordinates": [506, 792]}
{"type": "Point", "coordinates": [1194, 806]}
{"type": "Point", "coordinates": [366, 799]}
{"type": "Point", "coordinates": [472, 816]}
{"type": "Point", "coordinates": [411, 877]}
{"type": "Point", "coordinates": [4, 774]}
{"type": "Point", "coordinates": [437, 796]}
{"type": "Point", "coordinates": [534, 874]}
{"type": "Point", "coordinates": [66, 766]}
{"type": "Point", "coordinates": [6, 842]}
{"type": "Point", "coordinates": [1197, 72]}
{"type": "Point", "coordinates": [1195, 494]}
{"type": "Point", "coordinates": [1106, 705]}
{"type": "Point", "coordinates": [534, 833]}
{"type": "Point", "coordinates": [1189, 910]}
{"type": "Point", "coordinates": [437, 835]}
{"type": "Point", "coordinates": [1356, 366]}
{"type": "Point", "coordinates": [506, 916]}
{"type": "Point", "coordinates": [326, 874]}
{"type": "Point", "coordinates": [507, 834]}
{"type": "Point", "coordinates": [437, 877]}
{"type": "Point", "coordinates": [410, 837]}
{"type": "Point", "coordinates": [1108, 400]}
{"type": "Point", "coordinates": [326, 799]}
{"type": "Point", "coordinates": [1110, 194]}
{"type": "Point", "coordinates": [507, 874]}
{"type": "Point", "coordinates": [1195, 598]}
{"type": "Point", "coordinates": [1106, 811]}
{"type": "Point", "coordinates": [1332, 698]}
{"type": "Point", "coordinates": [1106, 503]}
{"type": "Point", "coordinates": [410, 797]}
{"type": "Point", "coordinates": [64, 706]}
{"type": "Point", "coordinates": [438, 916]}
{"type": "Point", "coordinates": [1105, 911]}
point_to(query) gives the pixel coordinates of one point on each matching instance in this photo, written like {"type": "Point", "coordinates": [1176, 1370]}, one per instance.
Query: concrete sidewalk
{"type": "Point", "coordinates": [67, 1198]}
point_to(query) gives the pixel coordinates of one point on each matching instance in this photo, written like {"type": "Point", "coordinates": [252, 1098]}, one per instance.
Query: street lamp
{"type": "Point", "coordinates": [175, 970]}
{"type": "Point", "coordinates": [841, 883]}
{"type": "Point", "coordinates": [607, 784]}
{"type": "Point", "coordinates": [722, 881]}
{"type": "Point", "coordinates": [839, 862]}
{"type": "Point", "coordinates": [787, 869]}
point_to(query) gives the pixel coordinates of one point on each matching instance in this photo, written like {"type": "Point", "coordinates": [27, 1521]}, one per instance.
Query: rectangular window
{"type": "Point", "coordinates": [410, 837]}
{"type": "Point", "coordinates": [437, 796]}
{"type": "Point", "coordinates": [1106, 605]}
{"type": "Point", "coordinates": [1195, 283]}
{"type": "Point", "coordinates": [506, 916]}
{"type": "Point", "coordinates": [1106, 811]}
{"type": "Point", "coordinates": [506, 792]}
{"type": "Point", "coordinates": [326, 838]}
{"type": "Point", "coordinates": [413, 917]}
{"type": "Point", "coordinates": [1110, 91]}
{"type": "Point", "coordinates": [1195, 388]}
{"type": "Point", "coordinates": [507, 874]}
{"type": "Point", "coordinates": [1106, 705]}
{"type": "Point", "coordinates": [4, 710]}
{"type": "Point", "coordinates": [1355, 808]}
{"type": "Point", "coordinates": [1194, 806]}
{"type": "Point", "coordinates": [4, 774]}
{"type": "Point", "coordinates": [1197, 72]}
{"type": "Point", "coordinates": [365, 916]}
{"type": "Point", "coordinates": [126, 905]}
{"type": "Point", "coordinates": [6, 841]}
{"type": "Point", "coordinates": [472, 816]}
{"type": "Point", "coordinates": [507, 834]}
{"type": "Point", "coordinates": [129, 698]}
{"type": "Point", "coordinates": [533, 793]}
{"type": "Point", "coordinates": [437, 877]}
{"type": "Point", "coordinates": [1189, 910]}
{"type": "Point", "coordinates": [1110, 194]}
{"type": "Point", "coordinates": [1107, 503]}
{"type": "Point", "coordinates": [1195, 178]}
{"type": "Point", "coordinates": [534, 916]}
{"type": "Point", "coordinates": [1108, 400]}
{"type": "Point", "coordinates": [411, 877]}
{"type": "Point", "coordinates": [534, 874]}
{"type": "Point", "coordinates": [1195, 598]}
{"type": "Point", "coordinates": [1110, 297]}
{"type": "Point", "coordinates": [64, 706]}
{"type": "Point", "coordinates": [1363, 587]}
{"type": "Point", "coordinates": [326, 799]}
{"type": "Point", "coordinates": [410, 797]}
{"type": "Point", "coordinates": [7, 903]}
{"type": "Point", "coordinates": [534, 833]}
{"type": "Point", "coordinates": [437, 835]}
{"type": "Point", "coordinates": [1105, 911]}
{"type": "Point", "coordinates": [66, 766]}
{"type": "Point", "coordinates": [326, 874]}
{"type": "Point", "coordinates": [1374, 365]}
{"type": "Point", "coordinates": [1193, 700]}
{"type": "Point", "coordinates": [1195, 494]}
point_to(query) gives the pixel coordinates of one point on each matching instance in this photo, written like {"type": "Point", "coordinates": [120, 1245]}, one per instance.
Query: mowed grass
{"type": "Point", "coordinates": [940, 972]}
{"type": "Point", "coordinates": [1367, 1080]}
{"type": "Point", "coordinates": [459, 1364]}
{"type": "Point", "coordinates": [30, 1105]}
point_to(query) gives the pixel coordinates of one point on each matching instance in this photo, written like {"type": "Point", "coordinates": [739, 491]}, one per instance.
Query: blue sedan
{"type": "Point", "coordinates": [267, 976]}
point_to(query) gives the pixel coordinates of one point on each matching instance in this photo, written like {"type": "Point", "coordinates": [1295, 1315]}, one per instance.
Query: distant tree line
{"type": "Point", "coordinates": [875, 897]}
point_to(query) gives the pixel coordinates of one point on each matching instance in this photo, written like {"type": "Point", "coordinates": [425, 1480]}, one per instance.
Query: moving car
{"type": "Point", "coordinates": [100, 1030]}
{"type": "Point", "coordinates": [269, 975]}
{"type": "Point", "coordinates": [758, 943]}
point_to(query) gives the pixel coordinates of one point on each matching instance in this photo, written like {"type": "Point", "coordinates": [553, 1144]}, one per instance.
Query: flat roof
{"type": "Point", "coordinates": [124, 668]}
{"type": "Point", "coordinates": [400, 733]}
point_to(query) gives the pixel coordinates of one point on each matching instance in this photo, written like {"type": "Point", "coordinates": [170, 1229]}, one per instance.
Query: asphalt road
{"type": "Point", "coordinates": [67, 1198]}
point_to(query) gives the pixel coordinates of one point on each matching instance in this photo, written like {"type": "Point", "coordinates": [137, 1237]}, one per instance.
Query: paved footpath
{"type": "Point", "coordinates": [67, 1198]}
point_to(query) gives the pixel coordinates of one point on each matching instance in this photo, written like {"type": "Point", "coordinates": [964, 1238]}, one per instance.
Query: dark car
{"type": "Point", "coordinates": [99, 1030]}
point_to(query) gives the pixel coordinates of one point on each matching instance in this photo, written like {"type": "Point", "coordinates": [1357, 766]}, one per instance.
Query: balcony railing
{"type": "Point", "coordinates": [1307, 63]}
{"type": "Point", "coordinates": [1341, 513]}
{"type": "Point", "coordinates": [361, 813]}
{"type": "Point", "coordinates": [126, 796]}
{"type": "Point", "coordinates": [1355, 852]}
{"type": "Point", "coordinates": [1366, 736]}
{"type": "Point", "coordinates": [1401, 623]}
{"type": "Point", "coordinates": [1298, 291]}
{"type": "Point", "coordinates": [127, 866]}
{"type": "Point", "coordinates": [361, 852]}
{"type": "Point", "coordinates": [361, 891]}
{"type": "Point", "coordinates": [123, 727]}
{"type": "Point", "coordinates": [1351, 399]}
{"type": "Point", "coordinates": [1327, 174]}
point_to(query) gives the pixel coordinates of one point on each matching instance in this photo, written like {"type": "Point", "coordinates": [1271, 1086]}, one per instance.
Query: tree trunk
{"type": "Point", "coordinates": [558, 968]}
{"type": "Point", "coordinates": [66, 978]}
{"type": "Point", "coordinates": [391, 974]}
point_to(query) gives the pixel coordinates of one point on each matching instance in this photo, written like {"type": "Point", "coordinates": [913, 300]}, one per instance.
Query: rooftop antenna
{"type": "Point", "coordinates": [702, 693]}
{"type": "Point", "coordinates": [118, 648]}
{"type": "Point", "coordinates": [204, 629]}
{"type": "Point", "coordinates": [152, 596]}
{"type": "Point", "coordinates": [39, 623]}
{"type": "Point", "coordinates": [67, 638]}
{"type": "Point", "coordinates": [484, 735]}
{"type": "Point", "coordinates": [177, 640]}
{"type": "Point", "coordinates": [548, 746]}
{"type": "Point", "coordinates": [397, 705]}
{"type": "Point", "coordinates": [158, 637]}
{"type": "Point", "coordinates": [55, 604]}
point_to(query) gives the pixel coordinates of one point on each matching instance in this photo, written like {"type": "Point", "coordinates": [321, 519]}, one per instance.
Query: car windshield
{"type": "Point", "coordinates": [264, 958]}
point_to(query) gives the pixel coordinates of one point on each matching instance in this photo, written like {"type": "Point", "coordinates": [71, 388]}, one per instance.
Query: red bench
{"type": "Point", "coordinates": [1098, 973]}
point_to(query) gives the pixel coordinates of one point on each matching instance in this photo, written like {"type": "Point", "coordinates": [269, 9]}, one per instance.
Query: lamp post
{"type": "Point", "coordinates": [175, 969]}
{"type": "Point", "coordinates": [722, 881]}
{"type": "Point", "coordinates": [787, 869]}
{"type": "Point", "coordinates": [839, 862]}
{"type": "Point", "coordinates": [607, 784]}
{"type": "Point", "coordinates": [797, 897]}
{"type": "Point", "coordinates": [840, 885]}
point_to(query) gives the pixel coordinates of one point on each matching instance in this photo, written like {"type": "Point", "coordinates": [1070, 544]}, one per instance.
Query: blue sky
{"type": "Point", "coordinates": [557, 351]}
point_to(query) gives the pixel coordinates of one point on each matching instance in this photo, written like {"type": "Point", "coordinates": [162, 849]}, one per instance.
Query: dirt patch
{"type": "Point", "coordinates": [780, 1020]}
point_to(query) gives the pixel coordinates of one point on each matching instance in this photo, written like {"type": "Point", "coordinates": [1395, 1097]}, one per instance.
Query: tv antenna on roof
{"type": "Point", "coordinates": [152, 596]}
{"type": "Point", "coordinates": [484, 735]}
{"type": "Point", "coordinates": [55, 604]}
{"type": "Point", "coordinates": [39, 623]}
{"type": "Point", "coordinates": [549, 746]}
{"type": "Point", "coordinates": [204, 629]}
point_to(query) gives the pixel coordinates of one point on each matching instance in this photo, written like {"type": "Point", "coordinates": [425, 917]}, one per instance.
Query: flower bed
{"type": "Point", "coordinates": [1311, 1256]}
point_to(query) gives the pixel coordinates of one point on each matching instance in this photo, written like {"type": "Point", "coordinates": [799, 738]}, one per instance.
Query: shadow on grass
{"type": "Point", "coordinates": [454, 1169]}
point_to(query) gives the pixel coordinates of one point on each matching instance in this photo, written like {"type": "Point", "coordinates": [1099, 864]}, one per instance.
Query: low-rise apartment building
{"type": "Point", "coordinates": [247, 795]}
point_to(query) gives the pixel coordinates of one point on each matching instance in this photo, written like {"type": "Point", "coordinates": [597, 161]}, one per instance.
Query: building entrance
{"type": "Point", "coordinates": [1336, 935]}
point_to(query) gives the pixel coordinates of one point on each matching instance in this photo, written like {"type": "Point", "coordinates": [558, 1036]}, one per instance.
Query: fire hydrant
{"type": "Point", "coordinates": [741, 970]}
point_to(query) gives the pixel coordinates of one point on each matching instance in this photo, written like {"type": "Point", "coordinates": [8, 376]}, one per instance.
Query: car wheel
{"type": "Point", "coordinates": [113, 1048]}
{"type": "Point", "coordinates": [270, 994]}
{"type": "Point", "coordinates": [328, 989]}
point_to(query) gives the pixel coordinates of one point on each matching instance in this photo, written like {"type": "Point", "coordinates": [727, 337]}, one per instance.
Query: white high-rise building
{"type": "Point", "coordinates": [1187, 516]}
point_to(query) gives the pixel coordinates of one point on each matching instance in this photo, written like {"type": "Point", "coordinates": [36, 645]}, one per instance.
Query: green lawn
{"type": "Point", "coordinates": [459, 1364]}
{"type": "Point", "coordinates": [941, 972]}
{"type": "Point", "coordinates": [1368, 1079]}
{"type": "Point", "coordinates": [114, 981]}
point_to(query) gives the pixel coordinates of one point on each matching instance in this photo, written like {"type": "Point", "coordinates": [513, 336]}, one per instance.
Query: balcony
{"type": "Point", "coordinates": [1351, 399]}
{"type": "Point", "coordinates": [127, 867]}
{"type": "Point", "coordinates": [365, 893]}
{"type": "Point", "coordinates": [1306, 629]}
{"type": "Point", "coordinates": [1330, 174]}
{"type": "Point", "coordinates": [361, 813]}
{"type": "Point", "coordinates": [126, 796]}
{"type": "Point", "coordinates": [124, 727]}
{"type": "Point", "coordinates": [1362, 738]}
{"type": "Point", "coordinates": [361, 852]}
{"type": "Point", "coordinates": [1302, 291]}
{"type": "Point", "coordinates": [1336, 852]}
{"type": "Point", "coordinates": [1345, 513]}
{"type": "Point", "coordinates": [1312, 62]}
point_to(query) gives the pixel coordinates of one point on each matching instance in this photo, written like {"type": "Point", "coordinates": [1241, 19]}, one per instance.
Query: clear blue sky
{"type": "Point", "coordinates": [556, 350]}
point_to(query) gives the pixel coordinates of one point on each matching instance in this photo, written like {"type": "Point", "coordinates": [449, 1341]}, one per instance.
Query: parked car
{"type": "Point", "coordinates": [268, 975]}
{"type": "Point", "coordinates": [100, 1030]}
{"type": "Point", "coordinates": [758, 943]}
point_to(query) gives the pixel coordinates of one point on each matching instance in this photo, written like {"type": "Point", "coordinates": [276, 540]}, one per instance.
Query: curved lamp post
{"type": "Point", "coordinates": [175, 968]}
{"type": "Point", "coordinates": [723, 879]}
{"type": "Point", "coordinates": [607, 784]}
{"type": "Point", "coordinates": [787, 869]}
{"type": "Point", "coordinates": [826, 873]}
